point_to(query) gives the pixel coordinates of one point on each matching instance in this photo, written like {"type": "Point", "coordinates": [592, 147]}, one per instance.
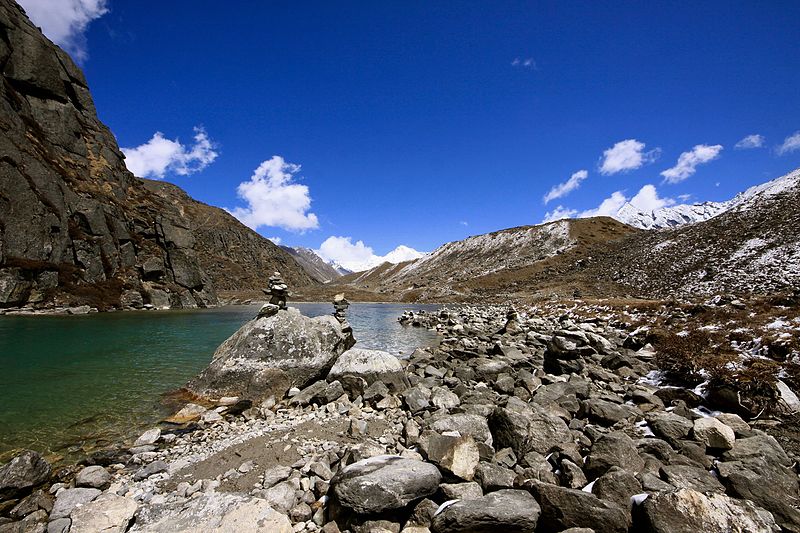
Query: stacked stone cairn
{"type": "Point", "coordinates": [512, 321]}
{"type": "Point", "coordinates": [278, 291]}
{"type": "Point", "coordinates": [340, 305]}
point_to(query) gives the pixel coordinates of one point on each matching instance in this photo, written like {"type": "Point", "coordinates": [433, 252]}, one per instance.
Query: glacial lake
{"type": "Point", "coordinates": [71, 384]}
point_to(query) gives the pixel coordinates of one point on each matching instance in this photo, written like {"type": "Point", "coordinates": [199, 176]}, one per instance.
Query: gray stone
{"type": "Point", "coordinates": [607, 413]}
{"type": "Point", "coordinates": [59, 525]}
{"type": "Point", "coordinates": [614, 449]}
{"type": "Point", "coordinates": [269, 355]}
{"type": "Point", "coordinates": [93, 476]}
{"type": "Point", "coordinates": [509, 511]}
{"type": "Point", "coordinates": [691, 477]}
{"type": "Point", "coordinates": [150, 436]}
{"type": "Point", "coordinates": [494, 477]}
{"type": "Point", "coordinates": [473, 425]}
{"type": "Point", "coordinates": [461, 491]}
{"type": "Point", "coordinates": [371, 366]}
{"type": "Point", "coordinates": [213, 513]}
{"type": "Point", "coordinates": [384, 483]}
{"type": "Point", "coordinates": [281, 496]}
{"type": "Point", "coordinates": [564, 508]}
{"type": "Point", "coordinates": [457, 455]}
{"type": "Point", "coordinates": [668, 426]}
{"type": "Point", "coordinates": [108, 513]}
{"type": "Point", "coordinates": [713, 433]}
{"type": "Point", "coordinates": [527, 427]}
{"type": "Point", "coordinates": [22, 473]}
{"type": "Point", "coordinates": [417, 398]}
{"type": "Point", "coordinates": [68, 499]}
{"type": "Point", "coordinates": [617, 486]}
{"type": "Point", "coordinates": [275, 475]}
{"type": "Point", "coordinates": [151, 469]}
{"type": "Point", "coordinates": [689, 511]}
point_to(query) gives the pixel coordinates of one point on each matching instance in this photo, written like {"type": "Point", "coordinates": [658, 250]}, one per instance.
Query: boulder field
{"type": "Point", "coordinates": [535, 421]}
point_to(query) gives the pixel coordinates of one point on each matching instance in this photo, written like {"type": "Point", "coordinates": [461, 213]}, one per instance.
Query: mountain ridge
{"type": "Point", "coordinates": [676, 215]}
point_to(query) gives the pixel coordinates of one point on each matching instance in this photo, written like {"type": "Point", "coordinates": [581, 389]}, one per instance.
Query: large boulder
{"type": "Point", "coordinates": [527, 427]}
{"type": "Point", "coordinates": [689, 511]}
{"type": "Point", "coordinates": [564, 508]}
{"type": "Point", "coordinates": [213, 513]}
{"type": "Point", "coordinates": [509, 511]}
{"type": "Point", "coordinates": [108, 513]}
{"type": "Point", "coordinates": [22, 473]}
{"type": "Point", "coordinates": [370, 366]}
{"type": "Point", "coordinates": [269, 355]}
{"type": "Point", "coordinates": [384, 483]}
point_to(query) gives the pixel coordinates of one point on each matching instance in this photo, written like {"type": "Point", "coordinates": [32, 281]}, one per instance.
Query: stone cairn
{"type": "Point", "coordinates": [340, 305]}
{"type": "Point", "coordinates": [512, 321]}
{"type": "Point", "coordinates": [278, 291]}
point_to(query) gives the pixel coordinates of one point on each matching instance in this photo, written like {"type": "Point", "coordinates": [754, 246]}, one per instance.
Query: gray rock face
{"type": "Point", "coordinates": [371, 366]}
{"type": "Point", "coordinates": [269, 355]}
{"type": "Point", "coordinates": [214, 513]}
{"type": "Point", "coordinates": [75, 223]}
{"type": "Point", "coordinates": [689, 511]}
{"type": "Point", "coordinates": [510, 511]}
{"type": "Point", "coordinates": [527, 427]}
{"type": "Point", "coordinates": [22, 473]}
{"type": "Point", "coordinates": [384, 483]}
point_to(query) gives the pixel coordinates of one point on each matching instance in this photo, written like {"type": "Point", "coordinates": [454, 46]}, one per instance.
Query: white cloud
{"type": "Point", "coordinates": [607, 207]}
{"type": "Point", "coordinates": [524, 62]}
{"type": "Point", "coordinates": [358, 256]}
{"type": "Point", "coordinates": [647, 199]}
{"type": "Point", "coordinates": [65, 21]}
{"type": "Point", "coordinates": [274, 199]}
{"type": "Point", "coordinates": [563, 189]}
{"type": "Point", "coordinates": [158, 155]}
{"type": "Point", "coordinates": [688, 161]}
{"type": "Point", "coordinates": [464, 223]}
{"type": "Point", "coordinates": [559, 213]}
{"type": "Point", "coordinates": [275, 240]}
{"type": "Point", "coordinates": [625, 156]}
{"type": "Point", "coordinates": [790, 144]}
{"type": "Point", "coordinates": [751, 141]}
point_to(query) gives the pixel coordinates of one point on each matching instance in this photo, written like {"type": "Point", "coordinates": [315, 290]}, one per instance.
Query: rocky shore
{"type": "Point", "coordinates": [547, 419]}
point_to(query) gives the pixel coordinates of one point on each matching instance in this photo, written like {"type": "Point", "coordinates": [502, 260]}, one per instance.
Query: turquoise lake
{"type": "Point", "coordinates": [71, 384]}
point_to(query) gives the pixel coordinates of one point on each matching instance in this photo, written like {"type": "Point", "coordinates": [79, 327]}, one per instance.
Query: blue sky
{"type": "Point", "coordinates": [418, 123]}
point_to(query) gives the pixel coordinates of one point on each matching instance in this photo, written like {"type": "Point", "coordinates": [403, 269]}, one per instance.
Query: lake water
{"type": "Point", "coordinates": [70, 384]}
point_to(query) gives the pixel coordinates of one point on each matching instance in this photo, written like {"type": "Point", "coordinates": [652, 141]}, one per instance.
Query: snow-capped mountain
{"type": "Point", "coordinates": [678, 215]}
{"type": "Point", "coordinates": [315, 266]}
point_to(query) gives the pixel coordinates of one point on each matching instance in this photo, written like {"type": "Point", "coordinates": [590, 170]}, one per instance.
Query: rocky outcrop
{"type": "Point", "coordinates": [269, 355]}
{"type": "Point", "coordinates": [22, 473]}
{"type": "Point", "coordinates": [76, 227]}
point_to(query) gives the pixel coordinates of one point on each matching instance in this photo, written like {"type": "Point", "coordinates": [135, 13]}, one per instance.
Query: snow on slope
{"type": "Point", "coordinates": [491, 252]}
{"type": "Point", "coordinates": [678, 215]}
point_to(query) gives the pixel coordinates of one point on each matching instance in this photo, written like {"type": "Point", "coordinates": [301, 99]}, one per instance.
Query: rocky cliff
{"type": "Point", "coordinates": [76, 227]}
